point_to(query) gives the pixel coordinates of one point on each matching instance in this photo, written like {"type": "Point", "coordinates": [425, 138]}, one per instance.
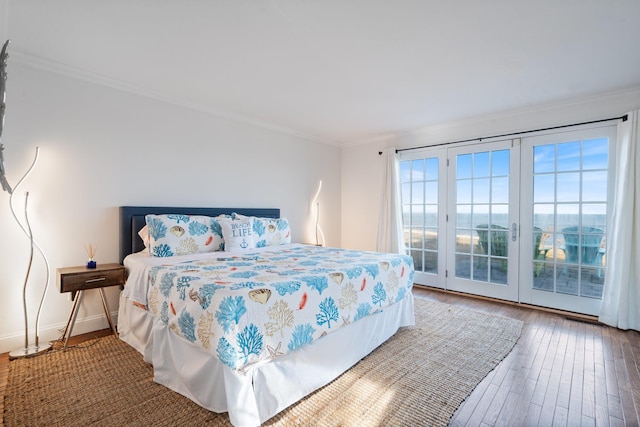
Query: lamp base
{"type": "Point", "coordinates": [32, 350]}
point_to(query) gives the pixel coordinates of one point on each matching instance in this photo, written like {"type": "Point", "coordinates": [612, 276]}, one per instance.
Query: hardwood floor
{"type": "Point", "coordinates": [562, 372]}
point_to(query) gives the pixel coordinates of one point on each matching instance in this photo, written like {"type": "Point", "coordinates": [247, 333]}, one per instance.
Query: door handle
{"type": "Point", "coordinates": [514, 231]}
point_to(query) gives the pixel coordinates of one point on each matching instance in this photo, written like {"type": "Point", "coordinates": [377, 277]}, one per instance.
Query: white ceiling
{"type": "Point", "coordinates": [338, 71]}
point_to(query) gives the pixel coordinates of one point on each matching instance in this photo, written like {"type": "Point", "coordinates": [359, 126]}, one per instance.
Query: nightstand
{"type": "Point", "coordinates": [79, 279]}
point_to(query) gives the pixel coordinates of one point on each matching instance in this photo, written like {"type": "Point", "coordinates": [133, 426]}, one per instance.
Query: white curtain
{"type": "Point", "coordinates": [390, 236]}
{"type": "Point", "coordinates": [621, 298]}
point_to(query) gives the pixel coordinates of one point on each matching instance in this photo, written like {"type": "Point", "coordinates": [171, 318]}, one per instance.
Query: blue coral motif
{"type": "Point", "coordinates": [213, 267]}
{"type": "Point", "coordinates": [321, 270]}
{"type": "Point", "coordinates": [259, 228]}
{"type": "Point", "coordinates": [354, 272]}
{"type": "Point", "coordinates": [328, 312]}
{"type": "Point", "coordinates": [216, 228]}
{"type": "Point", "coordinates": [206, 294]}
{"type": "Point", "coordinates": [240, 264]}
{"type": "Point", "coordinates": [157, 229]}
{"type": "Point", "coordinates": [353, 255]}
{"type": "Point", "coordinates": [302, 335]}
{"type": "Point", "coordinates": [250, 341]}
{"type": "Point", "coordinates": [164, 313]}
{"type": "Point", "coordinates": [286, 288]}
{"type": "Point", "coordinates": [226, 353]}
{"type": "Point", "coordinates": [243, 274]}
{"type": "Point", "coordinates": [179, 218]}
{"type": "Point", "coordinates": [166, 283]}
{"type": "Point", "coordinates": [246, 285]}
{"type": "Point", "coordinates": [197, 228]}
{"type": "Point", "coordinates": [395, 262]}
{"type": "Point", "coordinates": [183, 283]}
{"type": "Point", "coordinates": [379, 294]}
{"type": "Point", "coordinates": [153, 273]}
{"type": "Point", "coordinates": [364, 309]}
{"type": "Point", "coordinates": [282, 224]}
{"type": "Point", "coordinates": [162, 250]}
{"type": "Point", "coordinates": [319, 283]}
{"type": "Point", "coordinates": [230, 310]}
{"type": "Point", "coordinates": [290, 272]}
{"type": "Point", "coordinates": [187, 325]}
{"type": "Point", "coordinates": [372, 269]}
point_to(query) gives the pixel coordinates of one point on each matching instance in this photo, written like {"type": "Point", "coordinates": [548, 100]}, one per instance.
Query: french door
{"type": "Point", "coordinates": [459, 207]}
{"type": "Point", "coordinates": [519, 220]}
{"type": "Point", "coordinates": [566, 185]}
{"type": "Point", "coordinates": [482, 228]}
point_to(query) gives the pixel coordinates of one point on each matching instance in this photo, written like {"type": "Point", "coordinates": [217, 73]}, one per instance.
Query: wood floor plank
{"type": "Point", "coordinates": [630, 416]}
{"type": "Point", "coordinates": [519, 416]}
{"type": "Point", "coordinates": [560, 417]}
{"type": "Point", "coordinates": [483, 405]}
{"type": "Point", "coordinates": [631, 363]}
{"type": "Point", "coordinates": [587, 422]}
{"type": "Point", "coordinates": [548, 406]}
{"type": "Point", "coordinates": [614, 406]}
{"type": "Point", "coordinates": [500, 398]}
{"type": "Point", "coordinates": [533, 415]}
{"type": "Point", "coordinates": [508, 409]}
{"type": "Point", "coordinates": [616, 422]}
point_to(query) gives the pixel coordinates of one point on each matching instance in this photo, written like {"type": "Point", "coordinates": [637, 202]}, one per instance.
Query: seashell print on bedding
{"type": "Point", "coordinates": [177, 231]}
{"type": "Point", "coordinates": [260, 295]}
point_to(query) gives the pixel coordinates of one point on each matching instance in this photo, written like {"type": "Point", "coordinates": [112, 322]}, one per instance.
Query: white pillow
{"type": "Point", "coordinates": [237, 234]}
{"type": "Point", "coordinates": [144, 235]}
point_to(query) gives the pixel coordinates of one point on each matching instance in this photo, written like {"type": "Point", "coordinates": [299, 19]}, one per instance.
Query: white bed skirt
{"type": "Point", "coordinates": [263, 390]}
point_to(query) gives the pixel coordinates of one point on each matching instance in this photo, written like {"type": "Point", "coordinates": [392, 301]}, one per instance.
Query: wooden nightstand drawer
{"type": "Point", "coordinates": [72, 279]}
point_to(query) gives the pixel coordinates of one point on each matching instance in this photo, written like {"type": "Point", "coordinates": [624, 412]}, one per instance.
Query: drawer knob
{"type": "Point", "coordinates": [99, 279]}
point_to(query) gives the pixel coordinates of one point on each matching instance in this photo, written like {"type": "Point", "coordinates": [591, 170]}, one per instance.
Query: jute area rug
{"type": "Point", "coordinates": [417, 378]}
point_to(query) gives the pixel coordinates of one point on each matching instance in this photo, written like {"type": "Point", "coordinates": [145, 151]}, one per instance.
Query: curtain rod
{"type": "Point", "coordinates": [623, 118]}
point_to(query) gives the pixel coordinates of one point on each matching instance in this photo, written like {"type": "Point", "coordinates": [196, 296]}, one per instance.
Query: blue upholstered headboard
{"type": "Point", "coordinates": [132, 220]}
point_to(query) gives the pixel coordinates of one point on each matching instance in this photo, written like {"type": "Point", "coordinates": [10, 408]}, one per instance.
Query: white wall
{"type": "Point", "coordinates": [363, 169]}
{"type": "Point", "coordinates": [102, 148]}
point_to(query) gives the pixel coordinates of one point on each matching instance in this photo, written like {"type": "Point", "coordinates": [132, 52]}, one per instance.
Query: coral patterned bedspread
{"type": "Point", "coordinates": [250, 307]}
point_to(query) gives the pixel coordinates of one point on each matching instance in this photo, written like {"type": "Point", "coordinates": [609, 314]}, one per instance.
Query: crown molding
{"type": "Point", "coordinates": [45, 64]}
{"type": "Point", "coordinates": [524, 111]}
{"type": "Point", "coordinates": [603, 97]}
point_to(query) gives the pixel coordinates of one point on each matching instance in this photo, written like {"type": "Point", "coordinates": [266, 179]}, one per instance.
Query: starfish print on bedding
{"type": "Point", "coordinates": [274, 352]}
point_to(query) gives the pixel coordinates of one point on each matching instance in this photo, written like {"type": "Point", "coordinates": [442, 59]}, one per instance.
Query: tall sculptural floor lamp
{"type": "Point", "coordinates": [28, 349]}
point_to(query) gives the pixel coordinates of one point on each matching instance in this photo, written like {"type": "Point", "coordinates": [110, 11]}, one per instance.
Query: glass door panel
{"type": "Point", "coordinates": [422, 197]}
{"type": "Point", "coordinates": [565, 180]}
{"type": "Point", "coordinates": [481, 211]}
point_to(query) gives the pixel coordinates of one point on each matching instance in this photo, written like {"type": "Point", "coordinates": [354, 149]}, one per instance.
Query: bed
{"type": "Point", "coordinates": [257, 324]}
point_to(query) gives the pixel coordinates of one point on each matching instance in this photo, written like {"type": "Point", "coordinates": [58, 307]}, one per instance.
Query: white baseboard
{"type": "Point", "coordinates": [53, 332]}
